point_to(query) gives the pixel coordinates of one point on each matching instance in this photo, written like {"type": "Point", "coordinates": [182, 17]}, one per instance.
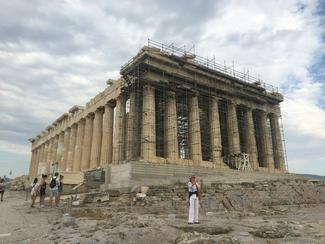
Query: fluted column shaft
{"type": "Point", "coordinates": [35, 167]}
{"type": "Point", "coordinates": [131, 128]}
{"type": "Point", "coordinates": [32, 163]}
{"type": "Point", "coordinates": [148, 140]}
{"type": "Point", "coordinates": [233, 132]}
{"type": "Point", "coordinates": [72, 144]}
{"type": "Point", "coordinates": [194, 130]}
{"type": "Point", "coordinates": [277, 143]}
{"type": "Point", "coordinates": [86, 147]}
{"type": "Point", "coordinates": [107, 141]}
{"type": "Point", "coordinates": [267, 155]}
{"type": "Point", "coordinates": [97, 139]}
{"type": "Point", "coordinates": [55, 148]}
{"type": "Point", "coordinates": [171, 142]}
{"type": "Point", "coordinates": [59, 151]}
{"type": "Point", "coordinates": [119, 131]}
{"type": "Point", "coordinates": [215, 133]}
{"type": "Point", "coordinates": [49, 156]}
{"type": "Point", "coordinates": [78, 146]}
{"type": "Point", "coordinates": [66, 148]}
{"type": "Point", "coordinates": [250, 138]}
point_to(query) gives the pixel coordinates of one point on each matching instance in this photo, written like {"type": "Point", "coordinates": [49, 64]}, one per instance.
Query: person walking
{"type": "Point", "coordinates": [54, 186]}
{"type": "Point", "coordinates": [42, 190]}
{"type": "Point", "coordinates": [35, 191]}
{"type": "Point", "coordinates": [2, 188]}
{"type": "Point", "coordinates": [193, 195]}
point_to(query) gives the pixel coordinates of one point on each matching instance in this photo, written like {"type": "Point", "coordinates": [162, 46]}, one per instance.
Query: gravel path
{"type": "Point", "coordinates": [21, 224]}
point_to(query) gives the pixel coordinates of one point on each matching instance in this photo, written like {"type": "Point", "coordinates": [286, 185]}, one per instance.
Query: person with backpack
{"type": "Point", "coordinates": [54, 186]}
{"type": "Point", "coordinates": [42, 190]}
{"type": "Point", "coordinates": [35, 191]}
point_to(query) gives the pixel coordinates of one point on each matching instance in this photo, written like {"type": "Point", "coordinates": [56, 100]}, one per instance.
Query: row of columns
{"type": "Point", "coordinates": [90, 143]}
{"type": "Point", "coordinates": [85, 145]}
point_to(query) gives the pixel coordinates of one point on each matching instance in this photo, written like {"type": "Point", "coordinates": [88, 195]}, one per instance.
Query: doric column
{"type": "Point", "coordinates": [194, 130]}
{"type": "Point", "coordinates": [232, 125]}
{"type": "Point", "coordinates": [49, 156]}
{"type": "Point", "coordinates": [72, 144]}
{"type": "Point", "coordinates": [250, 138]}
{"type": "Point", "coordinates": [86, 147]}
{"type": "Point", "coordinates": [119, 130]}
{"type": "Point", "coordinates": [78, 147]}
{"type": "Point", "coordinates": [277, 143]}
{"type": "Point", "coordinates": [267, 155]}
{"type": "Point", "coordinates": [107, 141]}
{"type": "Point", "coordinates": [66, 148]}
{"type": "Point", "coordinates": [59, 150]}
{"type": "Point", "coordinates": [32, 163]}
{"type": "Point", "coordinates": [97, 139]}
{"type": "Point", "coordinates": [215, 132]}
{"type": "Point", "coordinates": [171, 142]}
{"type": "Point", "coordinates": [41, 160]}
{"type": "Point", "coordinates": [131, 128]}
{"type": "Point", "coordinates": [148, 137]}
{"type": "Point", "coordinates": [55, 148]}
{"type": "Point", "coordinates": [35, 166]}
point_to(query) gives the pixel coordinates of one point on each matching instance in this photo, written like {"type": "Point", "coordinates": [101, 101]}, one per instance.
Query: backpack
{"type": "Point", "coordinates": [53, 183]}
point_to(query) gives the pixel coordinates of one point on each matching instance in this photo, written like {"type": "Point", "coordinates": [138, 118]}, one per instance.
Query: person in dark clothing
{"type": "Point", "coordinates": [42, 190]}
{"type": "Point", "coordinates": [2, 188]}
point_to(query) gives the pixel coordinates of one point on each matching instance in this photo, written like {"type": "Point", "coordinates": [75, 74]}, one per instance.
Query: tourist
{"type": "Point", "coordinates": [35, 191]}
{"type": "Point", "coordinates": [2, 188]}
{"type": "Point", "coordinates": [193, 195]}
{"type": "Point", "coordinates": [42, 190]}
{"type": "Point", "coordinates": [54, 186]}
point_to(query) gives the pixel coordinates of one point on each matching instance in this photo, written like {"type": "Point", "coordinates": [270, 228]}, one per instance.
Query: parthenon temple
{"type": "Point", "coordinates": [169, 107]}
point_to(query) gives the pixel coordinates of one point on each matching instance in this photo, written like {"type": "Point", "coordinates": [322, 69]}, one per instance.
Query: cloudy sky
{"type": "Point", "coordinates": [55, 54]}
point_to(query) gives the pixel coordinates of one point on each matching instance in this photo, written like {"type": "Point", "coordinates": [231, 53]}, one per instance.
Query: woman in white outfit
{"type": "Point", "coordinates": [193, 194]}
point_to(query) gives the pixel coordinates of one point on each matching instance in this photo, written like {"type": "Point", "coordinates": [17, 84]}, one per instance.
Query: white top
{"type": "Point", "coordinates": [56, 187]}
{"type": "Point", "coordinates": [193, 187]}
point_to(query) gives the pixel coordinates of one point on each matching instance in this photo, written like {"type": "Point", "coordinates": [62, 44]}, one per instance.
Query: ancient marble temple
{"type": "Point", "coordinates": [169, 107]}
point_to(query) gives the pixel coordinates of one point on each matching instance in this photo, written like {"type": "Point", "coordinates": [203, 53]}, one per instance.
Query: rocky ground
{"type": "Point", "coordinates": [260, 212]}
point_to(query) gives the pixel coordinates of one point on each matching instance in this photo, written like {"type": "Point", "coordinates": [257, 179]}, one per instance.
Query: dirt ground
{"type": "Point", "coordinates": [121, 222]}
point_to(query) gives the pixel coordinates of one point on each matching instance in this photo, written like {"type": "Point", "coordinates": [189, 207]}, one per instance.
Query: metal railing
{"type": "Point", "coordinates": [209, 64]}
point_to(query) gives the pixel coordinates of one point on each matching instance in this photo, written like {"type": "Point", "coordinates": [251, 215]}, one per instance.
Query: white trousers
{"type": "Point", "coordinates": [193, 213]}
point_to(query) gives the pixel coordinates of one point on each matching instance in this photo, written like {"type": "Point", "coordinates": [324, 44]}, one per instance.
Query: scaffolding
{"type": "Point", "coordinates": [192, 104]}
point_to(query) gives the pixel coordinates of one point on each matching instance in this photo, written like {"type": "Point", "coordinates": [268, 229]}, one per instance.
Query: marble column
{"type": "Point", "coordinates": [72, 144]}
{"type": "Point", "coordinates": [35, 167]}
{"type": "Point", "coordinates": [233, 132]}
{"type": "Point", "coordinates": [55, 148]}
{"type": "Point", "coordinates": [49, 156]}
{"type": "Point", "coordinates": [40, 168]}
{"type": "Point", "coordinates": [171, 142]}
{"type": "Point", "coordinates": [86, 147]}
{"type": "Point", "coordinates": [119, 131]}
{"type": "Point", "coordinates": [194, 130]}
{"type": "Point", "coordinates": [66, 148]}
{"type": "Point", "coordinates": [250, 138]}
{"type": "Point", "coordinates": [59, 151]}
{"type": "Point", "coordinates": [32, 163]}
{"type": "Point", "coordinates": [131, 128]}
{"type": "Point", "coordinates": [78, 147]}
{"type": "Point", "coordinates": [97, 139]}
{"type": "Point", "coordinates": [148, 136]}
{"type": "Point", "coordinates": [216, 146]}
{"type": "Point", "coordinates": [279, 161]}
{"type": "Point", "coordinates": [267, 155]}
{"type": "Point", "coordinates": [107, 141]}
